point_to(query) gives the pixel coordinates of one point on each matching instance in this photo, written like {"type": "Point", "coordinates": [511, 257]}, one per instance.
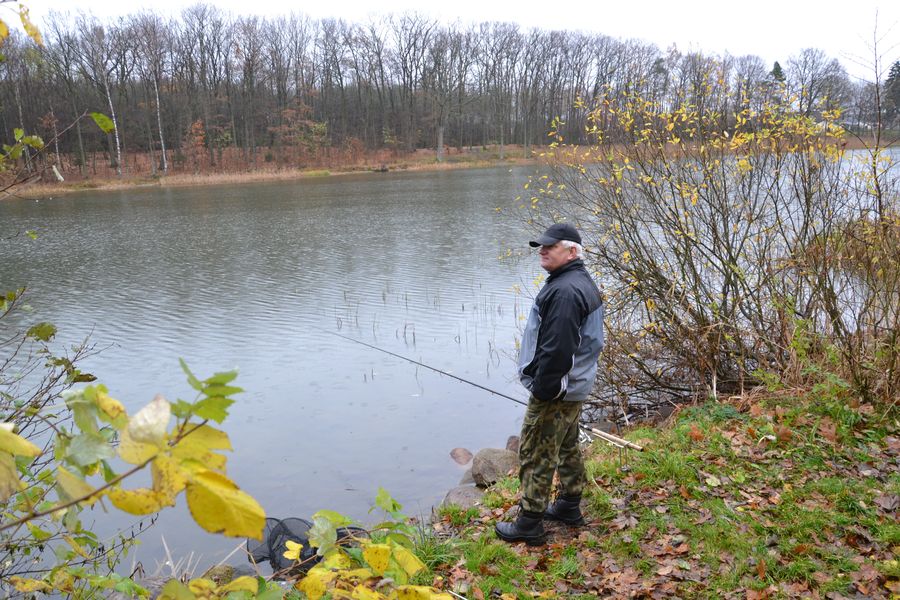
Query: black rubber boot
{"type": "Point", "coordinates": [528, 527]}
{"type": "Point", "coordinates": [566, 509]}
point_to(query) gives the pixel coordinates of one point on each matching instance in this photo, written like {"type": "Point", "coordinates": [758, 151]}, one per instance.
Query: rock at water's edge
{"type": "Point", "coordinates": [461, 456]}
{"type": "Point", "coordinates": [467, 478]}
{"type": "Point", "coordinates": [491, 465]}
{"type": "Point", "coordinates": [464, 496]}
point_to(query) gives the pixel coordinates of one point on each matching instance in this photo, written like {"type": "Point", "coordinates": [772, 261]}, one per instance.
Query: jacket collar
{"type": "Point", "coordinates": [569, 266]}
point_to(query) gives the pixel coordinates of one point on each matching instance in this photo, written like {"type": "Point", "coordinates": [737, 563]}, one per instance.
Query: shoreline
{"type": "Point", "coordinates": [41, 189]}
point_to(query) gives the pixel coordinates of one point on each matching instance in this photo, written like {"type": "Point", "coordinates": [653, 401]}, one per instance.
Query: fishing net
{"type": "Point", "coordinates": [278, 532]}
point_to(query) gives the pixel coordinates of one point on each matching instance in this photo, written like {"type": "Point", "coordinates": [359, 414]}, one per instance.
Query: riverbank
{"type": "Point", "coordinates": [421, 160]}
{"type": "Point", "coordinates": [775, 494]}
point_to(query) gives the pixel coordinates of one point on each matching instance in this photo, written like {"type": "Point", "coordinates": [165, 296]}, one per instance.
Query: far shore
{"type": "Point", "coordinates": [268, 174]}
{"type": "Point", "coordinates": [420, 160]}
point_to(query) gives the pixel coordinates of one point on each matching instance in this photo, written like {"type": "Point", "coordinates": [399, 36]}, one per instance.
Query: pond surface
{"type": "Point", "coordinates": [258, 277]}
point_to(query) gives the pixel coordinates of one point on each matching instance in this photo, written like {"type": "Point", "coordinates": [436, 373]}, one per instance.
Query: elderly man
{"type": "Point", "coordinates": [562, 340]}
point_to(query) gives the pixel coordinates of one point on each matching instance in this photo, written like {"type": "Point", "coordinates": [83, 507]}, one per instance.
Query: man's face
{"type": "Point", "coordinates": [555, 256]}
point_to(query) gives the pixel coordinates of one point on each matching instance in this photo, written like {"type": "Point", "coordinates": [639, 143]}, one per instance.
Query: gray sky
{"type": "Point", "coordinates": [771, 29]}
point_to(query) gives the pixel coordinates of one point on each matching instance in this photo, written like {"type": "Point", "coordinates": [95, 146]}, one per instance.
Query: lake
{"type": "Point", "coordinates": [258, 278]}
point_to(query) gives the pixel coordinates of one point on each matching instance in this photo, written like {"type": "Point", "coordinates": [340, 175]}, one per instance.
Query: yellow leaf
{"type": "Point", "coordinates": [202, 586]}
{"type": "Point", "coordinates": [168, 478]}
{"type": "Point", "coordinates": [14, 444]}
{"type": "Point", "coordinates": [74, 486]}
{"type": "Point", "coordinates": [30, 29]}
{"type": "Point", "coordinates": [9, 476]}
{"type": "Point", "coordinates": [361, 592]}
{"type": "Point", "coordinates": [314, 585]}
{"type": "Point", "coordinates": [293, 550]}
{"type": "Point", "coordinates": [110, 406]}
{"type": "Point", "coordinates": [136, 502]}
{"type": "Point", "coordinates": [29, 585]}
{"type": "Point", "coordinates": [4, 31]}
{"type": "Point", "coordinates": [245, 583]}
{"type": "Point", "coordinates": [358, 574]}
{"type": "Point", "coordinates": [336, 559]}
{"type": "Point", "coordinates": [149, 424]}
{"type": "Point", "coordinates": [420, 592]}
{"type": "Point", "coordinates": [77, 547]}
{"type": "Point", "coordinates": [377, 556]}
{"type": "Point", "coordinates": [407, 560]}
{"type": "Point", "coordinates": [63, 581]}
{"type": "Point", "coordinates": [134, 452]}
{"type": "Point", "coordinates": [219, 506]}
{"type": "Point", "coordinates": [197, 448]}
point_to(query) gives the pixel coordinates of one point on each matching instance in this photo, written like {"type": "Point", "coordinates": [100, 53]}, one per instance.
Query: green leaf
{"type": "Point", "coordinates": [336, 518]}
{"type": "Point", "coordinates": [32, 234]}
{"type": "Point", "coordinates": [214, 408]}
{"type": "Point", "coordinates": [222, 378]}
{"type": "Point", "coordinates": [42, 331]}
{"type": "Point", "coordinates": [192, 380]}
{"type": "Point", "coordinates": [387, 503]}
{"type": "Point", "coordinates": [182, 409]}
{"type": "Point", "coordinates": [175, 590]}
{"type": "Point", "coordinates": [103, 122]}
{"type": "Point", "coordinates": [221, 390]}
{"type": "Point", "coordinates": [34, 141]}
{"type": "Point", "coordinates": [322, 535]}
{"type": "Point", "coordinates": [37, 533]}
{"type": "Point", "coordinates": [18, 133]}
{"type": "Point", "coordinates": [89, 448]}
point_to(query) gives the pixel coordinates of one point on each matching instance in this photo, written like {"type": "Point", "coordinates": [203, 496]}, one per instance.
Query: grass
{"type": "Point", "coordinates": [783, 495]}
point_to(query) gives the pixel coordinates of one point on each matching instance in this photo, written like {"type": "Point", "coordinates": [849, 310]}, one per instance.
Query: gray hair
{"type": "Point", "coordinates": [579, 249]}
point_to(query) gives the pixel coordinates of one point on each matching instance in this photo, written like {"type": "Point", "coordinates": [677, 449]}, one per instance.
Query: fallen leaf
{"type": "Point", "coordinates": [761, 569]}
{"type": "Point", "coordinates": [695, 433]}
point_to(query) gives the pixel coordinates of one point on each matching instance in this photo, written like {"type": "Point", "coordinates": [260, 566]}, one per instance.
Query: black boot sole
{"type": "Point", "coordinates": [529, 540]}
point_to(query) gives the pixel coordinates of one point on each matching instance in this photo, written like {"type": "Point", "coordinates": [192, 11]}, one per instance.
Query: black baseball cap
{"type": "Point", "coordinates": [555, 233]}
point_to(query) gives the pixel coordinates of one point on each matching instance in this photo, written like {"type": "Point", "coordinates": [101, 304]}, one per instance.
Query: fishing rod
{"type": "Point", "coordinates": [607, 437]}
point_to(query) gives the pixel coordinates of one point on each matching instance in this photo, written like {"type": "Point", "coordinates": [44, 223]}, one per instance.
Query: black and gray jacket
{"type": "Point", "coordinates": [563, 336]}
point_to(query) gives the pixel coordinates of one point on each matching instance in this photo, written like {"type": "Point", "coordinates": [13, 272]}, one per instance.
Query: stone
{"type": "Point", "coordinates": [491, 465]}
{"type": "Point", "coordinates": [463, 496]}
{"type": "Point", "coordinates": [467, 478]}
{"type": "Point", "coordinates": [461, 456]}
{"type": "Point", "coordinates": [512, 443]}
{"type": "Point", "coordinates": [220, 574]}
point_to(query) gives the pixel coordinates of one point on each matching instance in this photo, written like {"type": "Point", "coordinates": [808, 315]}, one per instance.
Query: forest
{"type": "Point", "coordinates": [211, 91]}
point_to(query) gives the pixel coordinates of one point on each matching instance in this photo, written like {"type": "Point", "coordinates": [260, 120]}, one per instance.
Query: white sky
{"type": "Point", "coordinates": [771, 29]}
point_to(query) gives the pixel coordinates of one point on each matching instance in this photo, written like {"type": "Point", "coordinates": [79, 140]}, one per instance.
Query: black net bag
{"type": "Point", "coordinates": [276, 534]}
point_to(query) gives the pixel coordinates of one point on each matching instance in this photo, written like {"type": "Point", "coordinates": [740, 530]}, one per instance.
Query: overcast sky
{"type": "Point", "coordinates": [771, 29]}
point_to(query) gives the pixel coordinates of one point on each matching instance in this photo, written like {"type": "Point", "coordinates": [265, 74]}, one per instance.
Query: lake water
{"type": "Point", "coordinates": [255, 277]}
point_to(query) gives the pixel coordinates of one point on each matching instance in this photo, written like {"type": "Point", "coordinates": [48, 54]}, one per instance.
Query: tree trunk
{"type": "Point", "coordinates": [162, 142]}
{"type": "Point", "coordinates": [112, 115]}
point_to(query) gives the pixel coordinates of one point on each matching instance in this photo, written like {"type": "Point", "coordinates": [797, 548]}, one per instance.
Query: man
{"type": "Point", "coordinates": [562, 340]}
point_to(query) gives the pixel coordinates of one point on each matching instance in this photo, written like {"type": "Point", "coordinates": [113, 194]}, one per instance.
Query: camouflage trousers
{"type": "Point", "coordinates": [549, 442]}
